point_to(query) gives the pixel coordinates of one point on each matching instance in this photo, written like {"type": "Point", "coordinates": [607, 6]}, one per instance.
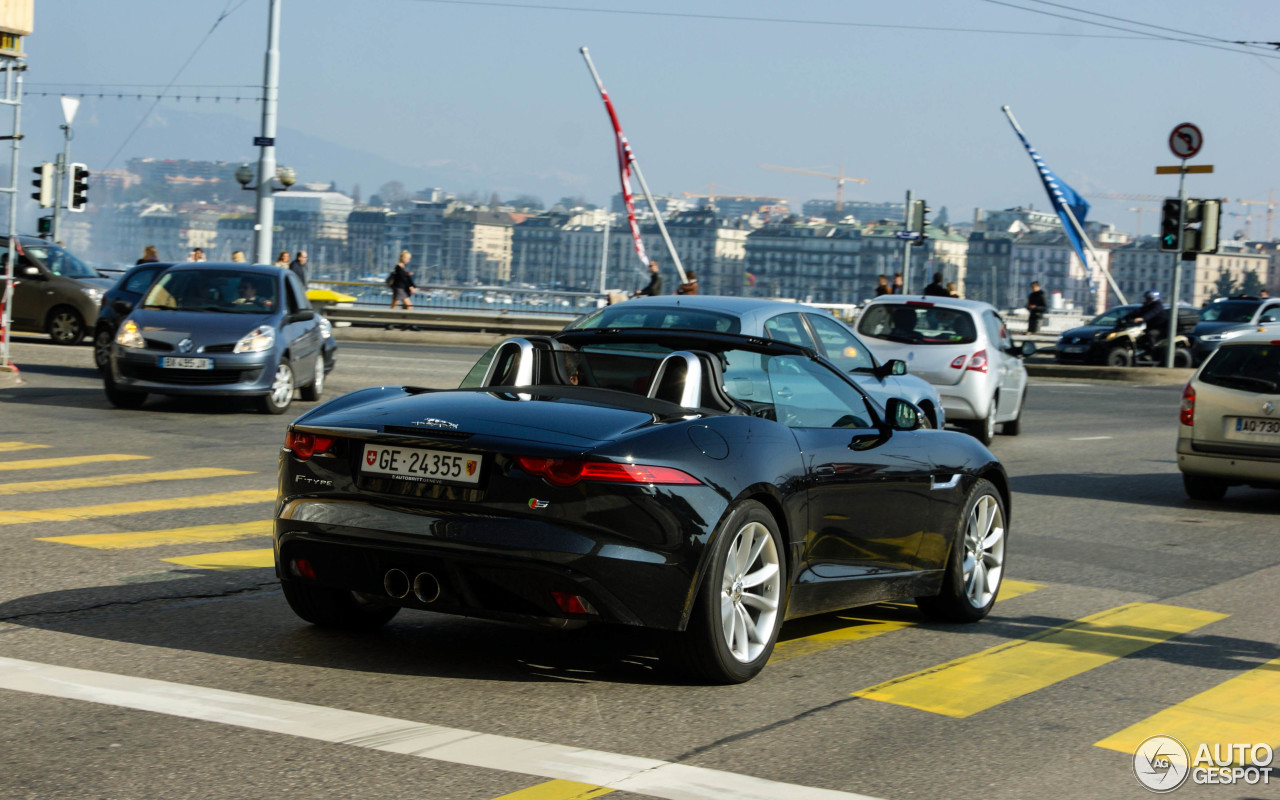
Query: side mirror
{"type": "Point", "coordinates": [31, 272]}
{"type": "Point", "coordinates": [121, 307]}
{"type": "Point", "coordinates": [1269, 318]}
{"type": "Point", "coordinates": [302, 315]}
{"type": "Point", "coordinates": [902, 415]}
{"type": "Point", "coordinates": [894, 366]}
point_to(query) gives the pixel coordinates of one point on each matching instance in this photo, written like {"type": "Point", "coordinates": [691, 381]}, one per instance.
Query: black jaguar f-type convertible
{"type": "Point", "coordinates": [706, 485]}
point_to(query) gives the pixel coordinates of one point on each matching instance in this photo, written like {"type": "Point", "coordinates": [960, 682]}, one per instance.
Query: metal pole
{"type": "Point", "coordinates": [267, 153]}
{"type": "Point", "coordinates": [604, 255]}
{"type": "Point", "coordinates": [1097, 261]}
{"type": "Point", "coordinates": [60, 181]}
{"type": "Point", "coordinates": [13, 96]}
{"type": "Point", "coordinates": [1177, 264]}
{"type": "Point", "coordinates": [906, 244]}
{"type": "Point", "coordinates": [675, 257]}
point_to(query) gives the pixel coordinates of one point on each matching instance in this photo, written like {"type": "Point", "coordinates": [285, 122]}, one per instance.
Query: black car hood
{"type": "Point", "coordinates": [560, 420]}
{"type": "Point", "coordinates": [1086, 331]}
{"type": "Point", "coordinates": [1213, 327]}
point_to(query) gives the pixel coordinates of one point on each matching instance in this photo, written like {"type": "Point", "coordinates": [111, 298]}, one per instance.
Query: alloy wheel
{"type": "Point", "coordinates": [750, 592]}
{"type": "Point", "coordinates": [983, 551]}
{"type": "Point", "coordinates": [282, 386]}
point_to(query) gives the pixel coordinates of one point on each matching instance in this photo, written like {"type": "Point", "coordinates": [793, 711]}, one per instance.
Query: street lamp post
{"type": "Point", "coordinates": [267, 141]}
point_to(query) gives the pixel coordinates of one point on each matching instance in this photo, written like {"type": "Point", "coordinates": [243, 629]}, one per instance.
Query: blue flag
{"type": "Point", "coordinates": [1062, 197]}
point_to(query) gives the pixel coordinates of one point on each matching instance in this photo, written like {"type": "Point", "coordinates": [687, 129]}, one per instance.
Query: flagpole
{"type": "Point", "coordinates": [644, 186]}
{"type": "Point", "coordinates": [1075, 224]}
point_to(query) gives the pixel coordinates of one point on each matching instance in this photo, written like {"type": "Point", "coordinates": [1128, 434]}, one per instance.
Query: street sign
{"type": "Point", "coordinates": [264, 141]}
{"type": "Point", "coordinates": [1188, 169]}
{"type": "Point", "coordinates": [1186, 140]}
{"type": "Point", "coordinates": [910, 236]}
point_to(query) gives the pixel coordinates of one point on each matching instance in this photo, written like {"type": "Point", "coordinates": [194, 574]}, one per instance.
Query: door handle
{"type": "Point", "coordinates": [950, 484]}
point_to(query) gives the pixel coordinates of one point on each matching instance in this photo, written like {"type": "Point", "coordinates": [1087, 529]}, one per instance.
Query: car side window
{"type": "Point", "coordinates": [844, 349]}
{"type": "Point", "coordinates": [291, 294]}
{"type": "Point", "coordinates": [996, 331]}
{"type": "Point", "coordinates": [140, 281]}
{"type": "Point", "coordinates": [809, 395]}
{"type": "Point", "coordinates": [297, 293]}
{"type": "Point", "coordinates": [788, 328]}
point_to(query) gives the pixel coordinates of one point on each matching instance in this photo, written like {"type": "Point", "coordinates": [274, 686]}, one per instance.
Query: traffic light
{"type": "Point", "coordinates": [920, 218]}
{"type": "Point", "coordinates": [44, 226]}
{"type": "Point", "coordinates": [79, 187]}
{"type": "Point", "coordinates": [1203, 220]}
{"type": "Point", "coordinates": [45, 183]}
{"type": "Point", "coordinates": [1169, 222]}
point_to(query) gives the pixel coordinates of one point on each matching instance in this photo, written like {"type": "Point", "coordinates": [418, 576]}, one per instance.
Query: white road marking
{"type": "Point", "coordinates": [1088, 438]}
{"type": "Point", "coordinates": [645, 776]}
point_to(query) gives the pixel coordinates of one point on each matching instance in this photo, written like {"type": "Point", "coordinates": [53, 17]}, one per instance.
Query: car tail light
{"type": "Point", "coordinates": [920, 303]}
{"type": "Point", "coordinates": [979, 361]}
{"type": "Point", "coordinates": [958, 362]}
{"type": "Point", "coordinates": [306, 445]}
{"type": "Point", "coordinates": [1187, 412]}
{"type": "Point", "coordinates": [572, 603]}
{"type": "Point", "coordinates": [567, 472]}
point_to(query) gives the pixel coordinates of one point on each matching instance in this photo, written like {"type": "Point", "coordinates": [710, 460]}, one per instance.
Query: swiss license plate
{"type": "Point", "coordinates": [1256, 427]}
{"type": "Point", "coordinates": [427, 466]}
{"type": "Point", "coordinates": [171, 362]}
{"type": "Point", "coordinates": [1074, 348]}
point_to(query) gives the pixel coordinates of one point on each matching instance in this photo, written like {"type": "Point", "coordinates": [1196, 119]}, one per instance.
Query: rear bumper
{"type": "Point", "coordinates": [487, 566]}
{"type": "Point", "coordinates": [968, 399]}
{"type": "Point", "coordinates": [1236, 468]}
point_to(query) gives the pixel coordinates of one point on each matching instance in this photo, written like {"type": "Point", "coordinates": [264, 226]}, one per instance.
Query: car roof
{"type": "Point", "coordinates": [729, 305]}
{"type": "Point", "coordinates": [1260, 336]}
{"type": "Point", "coordinates": [957, 303]}
{"type": "Point", "coordinates": [238, 266]}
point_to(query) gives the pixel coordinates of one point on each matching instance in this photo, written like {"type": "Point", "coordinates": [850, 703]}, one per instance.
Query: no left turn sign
{"type": "Point", "coordinates": [1186, 140]}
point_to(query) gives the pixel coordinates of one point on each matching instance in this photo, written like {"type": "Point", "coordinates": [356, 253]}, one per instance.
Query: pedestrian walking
{"type": "Point", "coordinates": [690, 286]}
{"type": "Point", "coordinates": [282, 260]}
{"type": "Point", "coordinates": [148, 255]}
{"type": "Point", "coordinates": [654, 288]}
{"type": "Point", "coordinates": [882, 285]}
{"type": "Point", "coordinates": [237, 256]}
{"type": "Point", "coordinates": [937, 289]}
{"type": "Point", "coordinates": [401, 282]}
{"type": "Point", "coordinates": [196, 255]}
{"type": "Point", "coordinates": [896, 288]}
{"type": "Point", "coordinates": [299, 267]}
{"type": "Point", "coordinates": [952, 290]}
{"type": "Point", "coordinates": [1036, 306]}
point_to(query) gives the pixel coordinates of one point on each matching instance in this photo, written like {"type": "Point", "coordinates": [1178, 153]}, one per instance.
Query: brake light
{"type": "Point", "coordinates": [979, 361]}
{"type": "Point", "coordinates": [306, 445]}
{"type": "Point", "coordinates": [568, 471]}
{"type": "Point", "coordinates": [572, 603]}
{"type": "Point", "coordinates": [1187, 412]}
{"type": "Point", "coordinates": [920, 303]}
{"type": "Point", "coordinates": [958, 362]}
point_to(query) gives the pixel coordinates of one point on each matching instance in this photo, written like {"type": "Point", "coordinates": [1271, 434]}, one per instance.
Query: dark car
{"type": "Point", "coordinates": [1094, 342]}
{"type": "Point", "coordinates": [1229, 317]}
{"type": "Point", "coordinates": [707, 486]}
{"type": "Point", "coordinates": [53, 290]}
{"type": "Point", "coordinates": [219, 329]}
{"type": "Point", "coordinates": [118, 301]}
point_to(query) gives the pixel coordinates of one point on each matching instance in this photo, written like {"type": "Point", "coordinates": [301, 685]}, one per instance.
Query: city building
{"type": "Point", "coordinates": [816, 262]}
{"type": "Point", "coordinates": [861, 210]}
{"type": "Point", "coordinates": [1141, 266]}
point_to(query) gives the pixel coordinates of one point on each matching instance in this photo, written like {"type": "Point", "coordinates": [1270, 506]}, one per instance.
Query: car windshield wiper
{"type": "Point", "coordinates": [160, 307]}
{"type": "Point", "coordinates": [1245, 382]}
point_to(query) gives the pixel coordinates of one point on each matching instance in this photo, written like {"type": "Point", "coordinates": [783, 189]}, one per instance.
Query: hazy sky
{"type": "Point", "coordinates": [499, 93]}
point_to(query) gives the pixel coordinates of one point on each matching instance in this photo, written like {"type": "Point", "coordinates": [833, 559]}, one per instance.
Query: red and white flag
{"type": "Point", "coordinates": [625, 157]}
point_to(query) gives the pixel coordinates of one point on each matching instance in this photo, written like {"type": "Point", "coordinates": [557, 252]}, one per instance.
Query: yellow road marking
{"type": "Point", "coordinates": [233, 559]}
{"type": "Point", "coordinates": [980, 681]}
{"type": "Point", "coordinates": [1243, 709]}
{"type": "Point", "coordinates": [9, 447]}
{"type": "Point", "coordinates": [815, 634]}
{"type": "Point", "coordinates": [67, 461]}
{"type": "Point", "coordinates": [557, 790]}
{"type": "Point", "coordinates": [197, 533]}
{"type": "Point", "coordinates": [71, 513]}
{"type": "Point", "coordinates": [118, 479]}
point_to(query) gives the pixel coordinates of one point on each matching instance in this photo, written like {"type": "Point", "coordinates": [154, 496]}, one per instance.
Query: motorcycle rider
{"type": "Point", "coordinates": [1153, 313]}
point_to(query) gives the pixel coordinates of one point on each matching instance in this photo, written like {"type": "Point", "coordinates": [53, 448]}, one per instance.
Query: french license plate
{"type": "Point", "coordinates": [1074, 348]}
{"type": "Point", "coordinates": [1256, 428]}
{"type": "Point", "coordinates": [171, 362]}
{"type": "Point", "coordinates": [427, 466]}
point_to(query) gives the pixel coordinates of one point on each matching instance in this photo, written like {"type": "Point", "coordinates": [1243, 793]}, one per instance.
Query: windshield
{"type": "Point", "coordinates": [1229, 311]}
{"type": "Point", "coordinates": [1111, 316]}
{"type": "Point", "coordinates": [222, 290]}
{"type": "Point", "coordinates": [59, 261]}
{"type": "Point", "coordinates": [918, 324]}
{"type": "Point", "coordinates": [1251, 367]}
{"type": "Point", "coordinates": [673, 317]}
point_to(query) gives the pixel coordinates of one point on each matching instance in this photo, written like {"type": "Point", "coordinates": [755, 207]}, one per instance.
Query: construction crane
{"type": "Point", "coordinates": [841, 179]}
{"type": "Point", "coordinates": [1270, 203]}
{"type": "Point", "coordinates": [712, 195]}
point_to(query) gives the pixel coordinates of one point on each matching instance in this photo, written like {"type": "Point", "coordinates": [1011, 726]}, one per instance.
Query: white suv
{"type": "Point", "coordinates": [1230, 431]}
{"type": "Point", "coordinates": [963, 348]}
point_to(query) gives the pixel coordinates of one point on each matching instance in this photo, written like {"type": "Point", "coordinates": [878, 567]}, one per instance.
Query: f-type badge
{"type": "Point", "coordinates": [436, 423]}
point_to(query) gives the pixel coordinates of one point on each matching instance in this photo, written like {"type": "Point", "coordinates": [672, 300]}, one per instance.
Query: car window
{"type": "Point", "coordinates": [844, 349]}
{"type": "Point", "coordinates": [918, 323]}
{"type": "Point", "coordinates": [1250, 367]}
{"type": "Point", "coordinates": [996, 331]}
{"type": "Point", "coordinates": [297, 292]}
{"type": "Point", "coordinates": [1111, 316]}
{"type": "Point", "coordinates": [291, 294]}
{"type": "Point", "coordinates": [674, 317]}
{"type": "Point", "coordinates": [788, 328]}
{"type": "Point", "coordinates": [808, 395]}
{"type": "Point", "coordinates": [1229, 311]}
{"type": "Point", "coordinates": [227, 291]}
{"type": "Point", "coordinates": [60, 261]}
{"type": "Point", "coordinates": [140, 280]}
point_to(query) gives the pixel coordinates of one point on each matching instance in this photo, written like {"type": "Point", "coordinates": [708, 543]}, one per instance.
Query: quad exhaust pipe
{"type": "Point", "coordinates": [425, 586]}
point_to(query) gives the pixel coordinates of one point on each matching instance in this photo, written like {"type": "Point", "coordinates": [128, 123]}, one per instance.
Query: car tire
{"type": "Point", "coordinates": [1119, 357]}
{"type": "Point", "coordinates": [65, 325]}
{"type": "Point", "coordinates": [706, 650]}
{"type": "Point", "coordinates": [314, 390]}
{"type": "Point", "coordinates": [1014, 426]}
{"type": "Point", "coordinates": [984, 430]}
{"type": "Point", "coordinates": [122, 398]}
{"type": "Point", "coordinates": [102, 339]}
{"type": "Point", "coordinates": [336, 608]}
{"type": "Point", "coordinates": [1182, 358]}
{"type": "Point", "coordinates": [930, 418]}
{"type": "Point", "coordinates": [968, 594]}
{"type": "Point", "coordinates": [1199, 487]}
{"type": "Point", "coordinates": [278, 399]}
